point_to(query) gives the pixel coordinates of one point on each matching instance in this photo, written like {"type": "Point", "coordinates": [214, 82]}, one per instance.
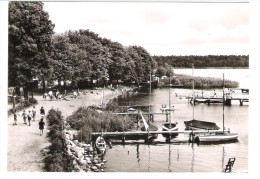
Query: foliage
{"type": "Point", "coordinates": [29, 35]}
{"type": "Point", "coordinates": [87, 121]}
{"type": "Point", "coordinates": [30, 102]}
{"type": "Point", "coordinates": [203, 61]}
{"type": "Point", "coordinates": [57, 159]}
{"type": "Point", "coordinates": [199, 82]}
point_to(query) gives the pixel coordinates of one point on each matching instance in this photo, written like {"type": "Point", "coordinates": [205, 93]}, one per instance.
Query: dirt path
{"type": "Point", "coordinates": [24, 142]}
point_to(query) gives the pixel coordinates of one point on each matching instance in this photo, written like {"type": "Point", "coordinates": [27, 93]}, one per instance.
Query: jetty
{"type": "Point", "coordinates": [210, 100]}
{"type": "Point", "coordinates": [136, 135]}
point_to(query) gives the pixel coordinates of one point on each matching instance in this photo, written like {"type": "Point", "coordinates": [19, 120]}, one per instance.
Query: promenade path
{"type": "Point", "coordinates": [25, 145]}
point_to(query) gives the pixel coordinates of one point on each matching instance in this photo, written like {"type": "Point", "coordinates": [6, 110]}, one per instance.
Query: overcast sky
{"type": "Point", "coordinates": [161, 28]}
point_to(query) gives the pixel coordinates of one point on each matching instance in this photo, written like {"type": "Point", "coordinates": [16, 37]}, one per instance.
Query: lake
{"type": "Point", "coordinates": [179, 155]}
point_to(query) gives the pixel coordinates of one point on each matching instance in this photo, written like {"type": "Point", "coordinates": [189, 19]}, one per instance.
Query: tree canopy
{"type": "Point", "coordinates": [30, 32]}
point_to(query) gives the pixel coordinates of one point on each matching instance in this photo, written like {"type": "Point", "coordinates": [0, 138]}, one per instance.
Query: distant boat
{"type": "Point", "coordinates": [101, 145]}
{"type": "Point", "coordinates": [164, 109]}
{"type": "Point", "coordinates": [131, 110]}
{"type": "Point", "coordinates": [220, 137]}
{"type": "Point", "coordinates": [169, 126]}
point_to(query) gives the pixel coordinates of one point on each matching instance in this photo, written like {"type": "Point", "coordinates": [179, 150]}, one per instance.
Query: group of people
{"type": "Point", "coordinates": [51, 95]}
{"type": "Point", "coordinates": [30, 116]}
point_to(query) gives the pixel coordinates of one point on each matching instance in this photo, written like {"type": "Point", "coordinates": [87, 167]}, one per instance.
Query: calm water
{"type": "Point", "coordinates": [180, 156]}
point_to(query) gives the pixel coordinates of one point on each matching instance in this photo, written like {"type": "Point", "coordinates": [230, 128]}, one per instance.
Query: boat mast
{"type": "Point", "coordinates": [223, 102]}
{"type": "Point", "coordinates": [193, 92]}
{"type": "Point", "coordinates": [150, 91]}
{"type": "Point", "coordinates": [170, 96]}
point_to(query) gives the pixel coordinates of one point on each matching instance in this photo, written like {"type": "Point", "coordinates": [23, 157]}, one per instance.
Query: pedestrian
{"type": "Point", "coordinates": [15, 118]}
{"type": "Point", "coordinates": [34, 113]}
{"type": "Point", "coordinates": [41, 126]}
{"type": "Point", "coordinates": [24, 115]}
{"type": "Point", "coordinates": [42, 112]}
{"type": "Point", "coordinates": [29, 118]}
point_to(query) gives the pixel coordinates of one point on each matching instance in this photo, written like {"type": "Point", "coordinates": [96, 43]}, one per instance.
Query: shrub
{"type": "Point", "coordinates": [57, 159]}
{"type": "Point", "coordinates": [87, 120]}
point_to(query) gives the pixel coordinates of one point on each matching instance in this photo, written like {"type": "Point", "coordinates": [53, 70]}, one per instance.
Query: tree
{"type": "Point", "coordinates": [29, 32]}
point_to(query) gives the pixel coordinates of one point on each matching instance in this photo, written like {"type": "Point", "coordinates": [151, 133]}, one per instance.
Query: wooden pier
{"type": "Point", "coordinates": [210, 100]}
{"type": "Point", "coordinates": [146, 135]}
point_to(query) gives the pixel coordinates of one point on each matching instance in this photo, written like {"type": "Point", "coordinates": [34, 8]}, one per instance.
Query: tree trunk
{"type": "Point", "coordinates": [43, 84]}
{"type": "Point", "coordinates": [59, 84]}
{"type": "Point", "coordinates": [25, 93]}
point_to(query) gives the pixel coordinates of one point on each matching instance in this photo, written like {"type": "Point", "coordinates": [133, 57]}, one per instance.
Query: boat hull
{"type": "Point", "coordinates": [196, 124]}
{"type": "Point", "coordinates": [100, 145]}
{"type": "Point", "coordinates": [168, 127]}
{"type": "Point", "coordinates": [217, 138]}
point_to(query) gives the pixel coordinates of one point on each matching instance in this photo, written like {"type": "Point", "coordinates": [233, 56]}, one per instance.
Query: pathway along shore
{"type": "Point", "coordinates": [25, 145]}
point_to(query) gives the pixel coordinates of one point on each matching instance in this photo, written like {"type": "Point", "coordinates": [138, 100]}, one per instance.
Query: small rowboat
{"type": "Point", "coordinates": [218, 137]}
{"type": "Point", "coordinates": [101, 145]}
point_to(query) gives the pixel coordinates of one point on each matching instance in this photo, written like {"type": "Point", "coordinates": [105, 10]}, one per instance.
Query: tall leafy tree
{"type": "Point", "coordinates": [29, 47]}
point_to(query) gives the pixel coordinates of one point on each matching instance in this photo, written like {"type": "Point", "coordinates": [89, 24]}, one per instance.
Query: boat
{"type": "Point", "coordinates": [101, 145]}
{"type": "Point", "coordinates": [222, 137]}
{"type": "Point", "coordinates": [164, 109]}
{"type": "Point", "coordinates": [197, 124]}
{"type": "Point", "coordinates": [169, 126]}
{"type": "Point", "coordinates": [131, 110]}
{"type": "Point", "coordinates": [219, 137]}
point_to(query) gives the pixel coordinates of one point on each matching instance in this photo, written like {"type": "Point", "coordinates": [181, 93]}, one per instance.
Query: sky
{"type": "Point", "coordinates": [161, 28]}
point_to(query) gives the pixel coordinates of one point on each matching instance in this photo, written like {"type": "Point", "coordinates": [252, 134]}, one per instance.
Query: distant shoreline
{"type": "Point", "coordinates": [213, 68]}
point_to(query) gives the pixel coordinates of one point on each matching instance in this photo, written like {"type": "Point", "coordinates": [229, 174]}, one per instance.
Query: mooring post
{"type": "Point", "coordinates": [167, 117]}
{"type": "Point", "coordinates": [208, 101]}
{"type": "Point", "coordinates": [241, 102]}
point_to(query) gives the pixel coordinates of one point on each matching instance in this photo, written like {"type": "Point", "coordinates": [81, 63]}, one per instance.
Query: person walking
{"type": "Point", "coordinates": [34, 113]}
{"type": "Point", "coordinates": [41, 126]}
{"type": "Point", "coordinates": [29, 118]}
{"type": "Point", "coordinates": [15, 118]}
{"type": "Point", "coordinates": [24, 115]}
{"type": "Point", "coordinates": [42, 112]}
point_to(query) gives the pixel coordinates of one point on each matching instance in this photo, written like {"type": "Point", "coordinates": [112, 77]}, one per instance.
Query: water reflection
{"type": "Point", "coordinates": [137, 155]}
{"type": "Point", "coordinates": [169, 165]}
{"type": "Point", "coordinates": [223, 158]}
{"type": "Point", "coordinates": [193, 158]}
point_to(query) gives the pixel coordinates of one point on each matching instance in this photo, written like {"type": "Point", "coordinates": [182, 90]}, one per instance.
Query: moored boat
{"type": "Point", "coordinates": [101, 145]}
{"type": "Point", "coordinates": [196, 124]}
{"type": "Point", "coordinates": [222, 137]}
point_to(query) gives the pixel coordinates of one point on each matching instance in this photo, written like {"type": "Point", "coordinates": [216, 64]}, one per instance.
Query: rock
{"type": "Point", "coordinates": [74, 162]}
{"type": "Point", "coordinates": [76, 168]}
{"type": "Point", "coordinates": [102, 164]}
{"type": "Point", "coordinates": [104, 161]}
{"type": "Point", "coordinates": [90, 149]}
{"type": "Point", "coordinates": [76, 142]}
{"type": "Point", "coordinates": [94, 168]}
{"type": "Point", "coordinates": [73, 149]}
{"type": "Point", "coordinates": [102, 170]}
{"type": "Point", "coordinates": [98, 165]}
{"type": "Point", "coordinates": [95, 161]}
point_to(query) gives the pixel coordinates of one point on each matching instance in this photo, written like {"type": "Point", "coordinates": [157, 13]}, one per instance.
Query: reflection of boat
{"type": "Point", "coordinates": [101, 145]}
{"type": "Point", "coordinates": [169, 126]}
{"type": "Point", "coordinates": [196, 124]}
{"type": "Point", "coordinates": [220, 137]}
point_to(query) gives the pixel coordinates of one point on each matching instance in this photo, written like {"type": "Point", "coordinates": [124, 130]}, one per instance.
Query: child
{"type": "Point", "coordinates": [24, 117]}
{"type": "Point", "coordinates": [42, 112]}
{"type": "Point", "coordinates": [41, 126]}
{"type": "Point", "coordinates": [29, 117]}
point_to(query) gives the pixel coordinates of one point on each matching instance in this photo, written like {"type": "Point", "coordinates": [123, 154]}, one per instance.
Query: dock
{"type": "Point", "coordinates": [210, 100]}
{"type": "Point", "coordinates": [146, 135]}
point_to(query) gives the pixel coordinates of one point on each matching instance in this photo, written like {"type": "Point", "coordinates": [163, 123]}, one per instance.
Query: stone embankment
{"type": "Point", "coordinates": [84, 157]}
